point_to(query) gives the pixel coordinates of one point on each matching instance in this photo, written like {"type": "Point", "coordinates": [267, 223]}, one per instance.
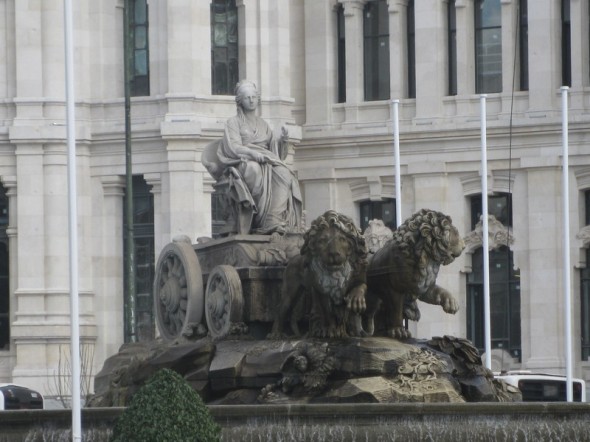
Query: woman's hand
{"type": "Point", "coordinates": [284, 134]}
{"type": "Point", "coordinates": [258, 157]}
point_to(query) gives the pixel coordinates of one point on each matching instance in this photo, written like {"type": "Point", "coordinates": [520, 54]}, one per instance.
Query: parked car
{"type": "Point", "coordinates": [17, 397]}
{"type": "Point", "coordinates": [542, 387]}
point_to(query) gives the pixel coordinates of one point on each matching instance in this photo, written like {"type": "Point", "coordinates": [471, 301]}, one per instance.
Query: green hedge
{"type": "Point", "coordinates": [166, 409]}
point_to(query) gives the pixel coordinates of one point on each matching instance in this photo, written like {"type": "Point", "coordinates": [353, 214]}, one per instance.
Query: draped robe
{"type": "Point", "coordinates": [272, 186]}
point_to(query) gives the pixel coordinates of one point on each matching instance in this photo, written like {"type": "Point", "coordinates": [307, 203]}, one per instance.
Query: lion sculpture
{"type": "Point", "coordinates": [405, 270]}
{"type": "Point", "coordinates": [331, 272]}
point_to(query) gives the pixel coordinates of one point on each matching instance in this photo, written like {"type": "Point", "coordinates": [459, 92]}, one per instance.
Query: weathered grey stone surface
{"type": "Point", "coordinates": [365, 370]}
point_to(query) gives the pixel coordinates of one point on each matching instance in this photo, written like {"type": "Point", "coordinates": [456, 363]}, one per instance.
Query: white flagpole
{"type": "Point", "coordinates": [398, 186]}
{"type": "Point", "coordinates": [486, 252]}
{"type": "Point", "coordinates": [73, 223]}
{"type": "Point", "coordinates": [566, 245]}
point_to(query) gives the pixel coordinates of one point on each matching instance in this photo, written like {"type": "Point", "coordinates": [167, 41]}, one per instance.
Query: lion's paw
{"type": "Point", "coordinates": [399, 333]}
{"type": "Point", "coordinates": [450, 305]}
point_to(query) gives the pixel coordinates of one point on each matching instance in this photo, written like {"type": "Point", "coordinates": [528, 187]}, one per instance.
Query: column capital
{"type": "Point", "coordinates": [352, 6]}
{"type": "Point", "coordinates": [154, 180]}
{"type": "Point", "coordinates": [113, 185]}
{"type": "Point", "coordinates": [9, 182]}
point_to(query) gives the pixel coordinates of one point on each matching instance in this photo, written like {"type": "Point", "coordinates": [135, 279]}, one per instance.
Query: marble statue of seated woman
{"type": "Point", "coordinates": [262, 192]}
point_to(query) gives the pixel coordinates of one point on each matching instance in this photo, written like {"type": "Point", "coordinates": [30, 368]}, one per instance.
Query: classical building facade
{"type": "Point", "coordinates": [328, 70]}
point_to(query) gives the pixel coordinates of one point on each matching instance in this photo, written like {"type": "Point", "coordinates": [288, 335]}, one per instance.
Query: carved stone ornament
{"type": "Point", "coordinates": [584, 236]}
{"type": "Point", "coordinates": [498, 235]}
{"type": "Point", "coordinates": [376, 235]}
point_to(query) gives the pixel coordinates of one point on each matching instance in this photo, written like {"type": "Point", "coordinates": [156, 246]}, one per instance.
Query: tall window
{"type": "Point", "coordinates": [566, 48]}
{"type": "Point", "coordinates": [585, 293]}
{"type": "Point", "coordinates": [341, 54]}
{"type": "Point", "coordinates": [499, 205]}
{"type": "Point", "coordinates": [523, 20]}
{"type": "Point", "coordinates": [585, 308]}
{"type": "Point", "coordinates": [383, 210]}
{"type": "Point", "coordinates": [4, 281]}
{"type": "Point", "coordinates": [411, 51]}
{"type": "Point", "coordinates": [452, 47]}
{"type": "Point", "coordinates": [224, 47]}
{"type": "Point", "coordinates": [504, 285]}
{"type": "Point", "coordinates": [140, 63]}
{"type": "Point", "coordinates": [143, 229]}
{"type": "Point", "coordinates": [488, 46]}
{"type": "Point", "coordinates": [504, 302]}
{"type": "Point", "coordinates": [376, 50]}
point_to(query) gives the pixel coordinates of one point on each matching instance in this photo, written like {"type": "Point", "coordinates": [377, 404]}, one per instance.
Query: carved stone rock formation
{"type": "Point", "coordinates": [353, 370]}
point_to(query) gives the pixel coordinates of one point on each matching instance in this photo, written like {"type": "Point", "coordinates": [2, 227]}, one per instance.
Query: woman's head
{"type": "Point", "coordinates": [246, 95]}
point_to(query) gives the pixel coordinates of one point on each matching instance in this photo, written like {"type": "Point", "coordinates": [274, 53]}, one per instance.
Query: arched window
{"type": "Point", "coordinates": [4, 280]}
{"type": "Point", "coordinates": [504, 302]}
{"type": "Point", "coordinates": [383, 210]}
{"type": "Point", "coordinates": [224, 47]}
{"type": "Point", "coordinates": [566, 44]}
{"type": "Point", "coordinates": [143, 235]}
{"type": "Point", "coordinates": [488, 46]}
{"type": "Point", "coordinates": [140, 59]}
{"type": "Point", "coordinates": [411, 39]}
{"type": "Point", "coordinates": [585, 292]}
{"type": "Point", "coordinates": [504, 284]}
{"type": "Point", "coordinates": [340, 30]}
{"type": "Point", "coordinates": [452, 47]}
{"type": "Point", "coordinates": [523, 39]}
{"type": "Point", "coordinates": [376, 50]}
{"type": "Point", "coordinates": [585, 308]}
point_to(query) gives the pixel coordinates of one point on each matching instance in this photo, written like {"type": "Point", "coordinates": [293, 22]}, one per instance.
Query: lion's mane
{"type": "Point", "coordinates": [358, 260]}
{"type": "Point", "coordinates": [426, 236]}
{"type": "Point", "coordinates": [404, 270]}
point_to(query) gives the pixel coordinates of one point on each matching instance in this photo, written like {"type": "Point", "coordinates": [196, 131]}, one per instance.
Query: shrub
{"type": "Point", "coordinates": [165, 409]}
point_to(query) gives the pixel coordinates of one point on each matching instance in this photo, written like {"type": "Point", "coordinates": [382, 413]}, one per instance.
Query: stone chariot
{"type": "Point", "coordinates": [232, 285]}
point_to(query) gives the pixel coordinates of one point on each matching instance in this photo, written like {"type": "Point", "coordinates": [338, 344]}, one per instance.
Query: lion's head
{"type": "Point", "coordinates": [431, 233]}
{"type": "Point", "coordinates": [334, 239]}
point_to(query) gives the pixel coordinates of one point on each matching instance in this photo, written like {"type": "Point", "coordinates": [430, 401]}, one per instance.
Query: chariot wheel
{"type": "Point", "coordinates": [178, 289]}
{"type": "Point", "coordinates": [224, 301]}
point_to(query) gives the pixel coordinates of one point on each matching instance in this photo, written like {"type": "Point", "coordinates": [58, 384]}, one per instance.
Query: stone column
{"type": "Point", "coordinates": [110, 302]}
{"type": "Point", "coordinates": [544, 56]}
{"type": "Point", "coordinates": [353, 34]}
{"type": "Point", "coordinates": [28, 44]}
{"type": "Point", "coordinates": [188, 209]}
{"type": "Point", "coordinates": [321, 75]}
{"type": "Point", "coordinates": [431, 58]}
{"type": "Point", "coordinates": [509, 32]}
{"type": "Point", "coordinates": [248, 39]}
{"type": "Point", "coordinates": [7, 359]}
{"type": "Point", "coordinates": [275, 48]}
{"type": "Point", "coordinates": [30, 304]}
{"type": "Point", "coordinates": [579, 49]}
{"type": "Point", "coordinates": [189, 66]}
{"type": "Point", "coordinates": [398, 48]}
{"type": "Point", "coordinates": [541, 290]}
{"type": "Point", "coordinates": [155, 180]}
{"type": "Point", "coordinates": [465, 51]}
{"type": "Point", "coordinates": [320, 191]}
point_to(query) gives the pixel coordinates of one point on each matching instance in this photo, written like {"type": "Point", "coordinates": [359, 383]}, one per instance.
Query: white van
{"type": "Point", "coordinates": [541, 387]}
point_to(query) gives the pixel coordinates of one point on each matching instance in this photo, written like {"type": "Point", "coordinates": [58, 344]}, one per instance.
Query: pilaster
{"type": "Point", "coordinates": [320, 72]}
{"type": "Point", "coordinates": [544, 54]}
{"type": "Point", "coordinates": [398, 48]}
{"type": "Point", "coordinates": [431, 57]}
{"type": "Point", "coordinates": [353, 35]}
